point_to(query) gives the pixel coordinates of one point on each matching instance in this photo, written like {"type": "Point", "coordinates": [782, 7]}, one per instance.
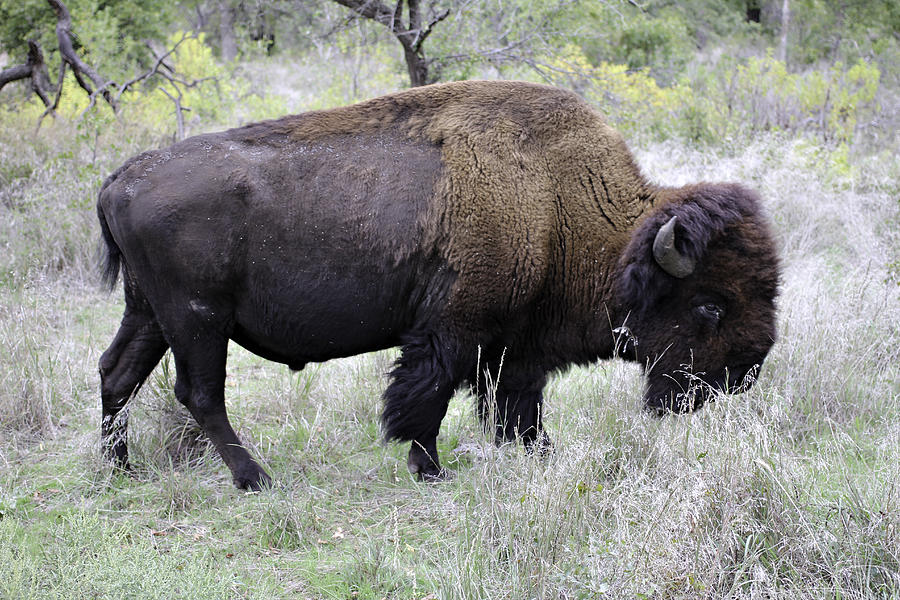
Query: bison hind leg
{"type": "Point", "coordinates": [200, 351]}
{"type": "Point", "coordinates": [424, 378]}
{"type": "Point", "coordinates": [135, 351]}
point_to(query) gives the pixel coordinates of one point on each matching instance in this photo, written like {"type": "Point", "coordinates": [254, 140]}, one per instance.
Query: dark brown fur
{"type": "Point", "coordinates": [496, 219]}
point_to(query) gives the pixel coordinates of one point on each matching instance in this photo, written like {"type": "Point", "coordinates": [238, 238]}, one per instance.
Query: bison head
{"type": "Point", "coordinates": [698, 282]}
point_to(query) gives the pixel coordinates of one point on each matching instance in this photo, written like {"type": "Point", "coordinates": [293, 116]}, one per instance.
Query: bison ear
{"type": "Point", "coordinates": [670, 242]}
{"type": "Point", "coordinates": [646, 267]}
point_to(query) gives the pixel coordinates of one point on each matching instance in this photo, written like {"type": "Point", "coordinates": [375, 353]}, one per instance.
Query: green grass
{"type": "Point", "coordinates": [787, 491]}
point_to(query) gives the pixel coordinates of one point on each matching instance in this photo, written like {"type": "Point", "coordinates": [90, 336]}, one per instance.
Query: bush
{"type": "Point", "coordinates": [631, 99]}
{"type": "Point", "coordinates": [731, 100]}
{"type": "Point", "coordinates": [661, 45]}
{"type": "Point", "coordinates": [760, 94]}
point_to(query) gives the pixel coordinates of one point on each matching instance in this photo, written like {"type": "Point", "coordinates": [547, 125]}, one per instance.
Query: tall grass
{"type": "Point", "coordinates": [787, 491]}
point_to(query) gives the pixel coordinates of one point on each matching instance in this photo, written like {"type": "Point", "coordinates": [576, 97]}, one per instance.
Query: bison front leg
{"type": "Point", "coordinates": [427, 373]}
{"type": "Point", "coordinates": [510, 401]}
{"type": "Point", "coordinates": [200, 386]}
{"type": "Point", "coordinates": [129, 360]}
{"type": "Point", "coordinates": [423, 462]}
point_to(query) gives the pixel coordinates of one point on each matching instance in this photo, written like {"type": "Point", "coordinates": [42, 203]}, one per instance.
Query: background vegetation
{"type": "Point", "coordinates": [790, 490]}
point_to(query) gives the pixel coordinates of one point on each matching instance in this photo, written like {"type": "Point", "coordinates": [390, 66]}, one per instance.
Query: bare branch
{"type": "Point", "coordinates": [64, 38]}
{"type": "Point", "coordinates": [375, 10]}
{"type": "Point", "coordinates": [397, 22]}
{"type": "Point", "coordinates": [417, 45]}
{"type": "Point", "coordinates": [93, 97]}
{"type": "Point", "coordinates": [411, 36]}
{"type": "Point", "coordinates": [415, 17]}
{"type": "Point", "coordinates": [179, 110]}
{"type": "Point", "coordinates": [33, 69]}
{"type": "Point", "coordinates": [155, 68]}
{"type": "Point", "coordinates": [51, 110]}
{"type": "Point", "coordinates": [14, 74]}
{"type": "Point", "coordinates": [522, 49]}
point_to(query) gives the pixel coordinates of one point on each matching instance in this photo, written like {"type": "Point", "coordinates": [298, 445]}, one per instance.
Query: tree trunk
{"type": "Point", "coordinates": [226, 31]}
{"type": "Point", "coordinates": [417, 67]}
{"type": "Point", "coordinates": [410, 35]}
{"type": "Point", "coordinates": [785, 26]}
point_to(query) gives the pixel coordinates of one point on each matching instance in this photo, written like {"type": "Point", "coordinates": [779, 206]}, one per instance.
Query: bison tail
{"type": "Point", "coordinates": [109, 250]}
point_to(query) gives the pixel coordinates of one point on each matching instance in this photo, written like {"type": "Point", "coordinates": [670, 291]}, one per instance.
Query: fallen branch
{"type": "Point", "coordinates": [33, 69]}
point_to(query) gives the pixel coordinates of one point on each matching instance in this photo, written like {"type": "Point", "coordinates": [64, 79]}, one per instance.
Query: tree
{"type": "Point", "coordinates": [226, 30]}
{"type": "Point", "coordinates": [66, 41]}
{"type": "Point", "coordinates": [69, 58]}
{"type": "Point", "coordinates": [87, 77]}
{"type": "Point", "coordinates": [785, 27]}
{"type": "Point", "coordinates": [411, 34]}
{"type": "Point", "coordinates": [476, 32]}
{"type": "Point", "coordinates": [120, 30]}
{"type": "Point", "coordinates": [117, 31]}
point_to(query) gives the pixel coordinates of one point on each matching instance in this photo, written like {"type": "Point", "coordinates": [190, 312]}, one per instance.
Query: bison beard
{"type": "Point", "coordinates": [496, 228]}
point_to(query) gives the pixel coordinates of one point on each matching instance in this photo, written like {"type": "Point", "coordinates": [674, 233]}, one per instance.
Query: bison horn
{"type": "Point", "coordinates": [671, 261]}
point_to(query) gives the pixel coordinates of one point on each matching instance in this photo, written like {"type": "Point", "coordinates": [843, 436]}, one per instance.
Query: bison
{"type": "Point", "coordinates": [469, 223]}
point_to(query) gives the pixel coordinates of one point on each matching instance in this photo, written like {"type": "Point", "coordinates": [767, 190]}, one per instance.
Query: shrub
{"type": "Point", "coordinates": [731, 100]}
{"type": "Point", "coordinates": [632, 99]}
{"type": "Point", "coordinates": [760, 94]}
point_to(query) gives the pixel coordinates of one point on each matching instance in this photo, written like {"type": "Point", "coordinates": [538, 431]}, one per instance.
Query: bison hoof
{"type": "Point", "coordinates": [425, 465]}
{"type": "Point", "coordinates": [117, 457]}
{"type": "Point", "coordinates": [433, 475]}
{"type": "Point", "coordinates": [252, 479]}
{"type": "Point", "coordinates": [540, 447]}
{"type": "Point", "coordinates": [426, 470]}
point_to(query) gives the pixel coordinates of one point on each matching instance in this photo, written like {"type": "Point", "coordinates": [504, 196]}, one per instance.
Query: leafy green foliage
{"type": "Point", "coordinates": [847, 30]}
{"type": "Point", "coordinates": [112, 31]}
{"type": "Point", "coordinates": [22, 20]}
{"type": "Point", "coordinates": [760, 94]}
{"type": "Point", "coordinates": [662, 43]}
{"type": "Point", "coordinates": [734, 98]}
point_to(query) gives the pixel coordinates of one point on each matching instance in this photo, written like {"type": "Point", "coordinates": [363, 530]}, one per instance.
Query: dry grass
{"type": "Point", "coordinates": [788, 491]}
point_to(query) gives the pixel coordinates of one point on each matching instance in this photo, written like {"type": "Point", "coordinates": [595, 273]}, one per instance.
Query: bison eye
{"type": "Point", "coordinates": [710, 311]}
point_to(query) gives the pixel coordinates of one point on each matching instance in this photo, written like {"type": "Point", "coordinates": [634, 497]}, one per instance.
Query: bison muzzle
{"type": "Point", "coordinates": [469, 223]}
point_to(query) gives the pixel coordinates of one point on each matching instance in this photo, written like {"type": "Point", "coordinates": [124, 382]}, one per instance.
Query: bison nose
{"type": "Point", "coordinates": [738, 379]}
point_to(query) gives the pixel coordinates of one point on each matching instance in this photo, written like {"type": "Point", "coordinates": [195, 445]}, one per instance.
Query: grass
{"type": "Point", "coordinates": [788, 491]}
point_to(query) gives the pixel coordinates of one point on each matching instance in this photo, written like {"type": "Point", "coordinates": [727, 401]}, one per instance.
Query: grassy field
{"type": "Point", "coordinates": [789, 491]}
